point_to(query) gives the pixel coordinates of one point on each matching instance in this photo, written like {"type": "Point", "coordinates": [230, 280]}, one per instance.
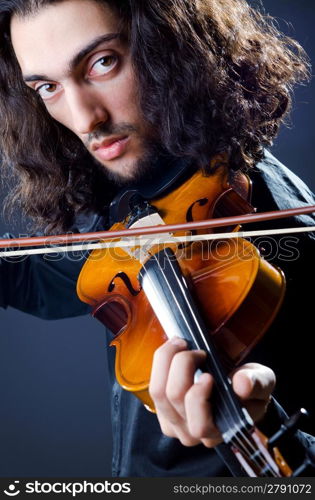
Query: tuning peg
{"type": "Point", "coordinates": [289, 426]}
{"type": "Point", "coordinates": [307, 467]}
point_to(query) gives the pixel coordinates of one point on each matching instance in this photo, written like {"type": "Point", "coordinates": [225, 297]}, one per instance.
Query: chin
{"type": "Point", "coordinates": [132, 168]}
{"type": "Point", "coordinates": [123, 174]}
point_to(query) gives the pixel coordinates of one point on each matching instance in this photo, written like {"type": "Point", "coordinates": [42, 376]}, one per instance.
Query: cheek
{"type": "Point", "coordinates": [123, 96]}
{"type": "Point", "coordinates": [59, 113]}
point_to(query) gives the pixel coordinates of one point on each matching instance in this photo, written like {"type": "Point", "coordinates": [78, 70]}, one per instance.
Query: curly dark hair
{"type": "Point", "coordinates": [213, 76]}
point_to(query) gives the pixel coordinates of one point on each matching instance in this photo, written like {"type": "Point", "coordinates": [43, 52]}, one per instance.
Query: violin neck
{"type": "Point", "coordinates": [170, 298]}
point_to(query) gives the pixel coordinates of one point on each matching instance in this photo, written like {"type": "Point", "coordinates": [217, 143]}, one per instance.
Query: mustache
{"type": "Point", "coordinates": [108, 129]}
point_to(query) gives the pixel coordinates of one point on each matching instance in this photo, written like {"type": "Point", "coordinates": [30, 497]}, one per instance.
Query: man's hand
{"type": "Point", "coordinates": [184, 408]}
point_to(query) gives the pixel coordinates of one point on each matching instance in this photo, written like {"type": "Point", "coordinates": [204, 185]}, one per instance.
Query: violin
{"type": "Point", "coordinates": [219, 297]}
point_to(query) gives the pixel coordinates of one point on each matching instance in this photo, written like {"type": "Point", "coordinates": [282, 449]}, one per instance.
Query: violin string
{"type": "Point", "coordinates": [265, 463]}
{"type": "Point", "coordinates": [226, 403]}
{"type": "Point", "coordinates": [230, 408]}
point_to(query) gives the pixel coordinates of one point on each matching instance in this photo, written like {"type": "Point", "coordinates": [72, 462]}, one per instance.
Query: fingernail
{"type": "Point", "coordinates": [203, 378]}
{"type": "Point", "coordinates": [179, 342]}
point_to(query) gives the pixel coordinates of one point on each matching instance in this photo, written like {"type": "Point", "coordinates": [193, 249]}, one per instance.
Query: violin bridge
{"type": "Point", "coordinates": [141, 252]}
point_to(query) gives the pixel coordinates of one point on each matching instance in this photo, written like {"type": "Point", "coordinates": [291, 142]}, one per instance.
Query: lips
{"type": "Point", "coordinates": [111, 148]}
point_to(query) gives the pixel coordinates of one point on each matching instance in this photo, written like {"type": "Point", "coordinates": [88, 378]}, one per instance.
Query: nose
{"type": "Point", "coordinates": [86, 109]}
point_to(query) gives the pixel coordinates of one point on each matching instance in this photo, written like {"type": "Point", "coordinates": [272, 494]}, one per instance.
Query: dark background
{"type": "Point", "coordinates": [54, 412]}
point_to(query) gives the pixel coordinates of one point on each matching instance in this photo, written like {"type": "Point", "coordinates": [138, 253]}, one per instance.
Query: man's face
{"type": "Point", "coordinates": [73, 55]}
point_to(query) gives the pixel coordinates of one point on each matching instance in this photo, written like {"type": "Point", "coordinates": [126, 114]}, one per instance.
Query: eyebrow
{"type": "Point", "coordinates": [75, 61]}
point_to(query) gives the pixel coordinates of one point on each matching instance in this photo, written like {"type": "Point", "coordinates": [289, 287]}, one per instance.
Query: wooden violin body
{"type": "Point", "coordinates": [237, 291]}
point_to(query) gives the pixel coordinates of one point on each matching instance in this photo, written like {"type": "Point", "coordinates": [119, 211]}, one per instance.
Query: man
{"type": "Point", "coordinates": [118, 94]}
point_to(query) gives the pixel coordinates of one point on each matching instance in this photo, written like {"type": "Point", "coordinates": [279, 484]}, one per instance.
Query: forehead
{"type": "Point", "coordinates": [45, 41]}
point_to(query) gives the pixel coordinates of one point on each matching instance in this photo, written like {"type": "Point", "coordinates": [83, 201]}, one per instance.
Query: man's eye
{"type": "Point", "coordinates": [46, 90]}
{"type": "Point", "coordinates": [103, 65]}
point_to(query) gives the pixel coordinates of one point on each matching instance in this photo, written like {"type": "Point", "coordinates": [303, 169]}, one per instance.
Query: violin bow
{"type": "Point", "coordinates": [141, 234]}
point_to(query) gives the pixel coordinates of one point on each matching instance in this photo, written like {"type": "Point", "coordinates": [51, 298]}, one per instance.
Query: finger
{"type": "Point", "coordinates": [199, 416]}
{"type": "Point", "coordinates": [178, 431]}
{"type": "Point", "coordinates": [181, 377]}
{"type": "Point", "coordinates": [254, 381]}
{"type": "Point", "coordinates": [159, 376]}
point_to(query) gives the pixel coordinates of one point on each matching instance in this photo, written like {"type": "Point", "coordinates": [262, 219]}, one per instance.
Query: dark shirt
{"type": "Point", "coordinates": [47, 289]}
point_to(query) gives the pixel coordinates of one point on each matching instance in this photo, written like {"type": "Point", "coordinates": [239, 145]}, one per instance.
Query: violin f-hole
{"type": "Point", "coordinates": [126, 280]}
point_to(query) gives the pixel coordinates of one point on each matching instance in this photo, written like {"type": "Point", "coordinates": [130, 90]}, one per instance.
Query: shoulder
{"type": "Point", "coordinates": [276, 187]}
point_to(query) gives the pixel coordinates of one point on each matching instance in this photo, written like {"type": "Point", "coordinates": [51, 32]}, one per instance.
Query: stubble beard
{"type": "Point", "coordinates": [143, 169]}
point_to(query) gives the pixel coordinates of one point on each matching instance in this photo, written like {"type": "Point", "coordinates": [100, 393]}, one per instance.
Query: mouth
{"type": "Point", "coordinates": [111, 148]}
